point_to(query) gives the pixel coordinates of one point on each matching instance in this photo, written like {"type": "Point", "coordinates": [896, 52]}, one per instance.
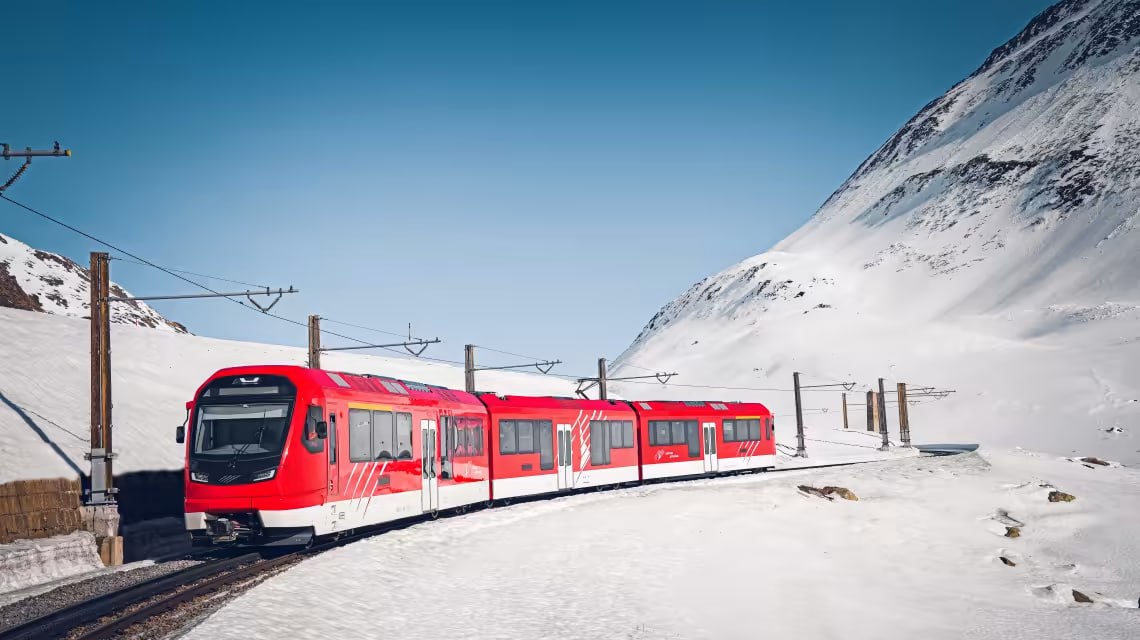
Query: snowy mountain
{"type": "Point", "coordinates": [989, 246]}
{"type": "Point", "coordinates": [34, 280]}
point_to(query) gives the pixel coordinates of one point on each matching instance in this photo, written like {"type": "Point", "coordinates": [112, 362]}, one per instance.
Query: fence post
{"type": "Point", "coordinates": [801, 448]}
{"type": "Point", "coordinates": [904, 416]}
{"type": "Point", "coordinates": [883, 417]}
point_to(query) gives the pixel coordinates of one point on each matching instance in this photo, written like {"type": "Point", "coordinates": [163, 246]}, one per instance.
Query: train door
{"type": "Point", "coordinates": [565, 457]}
{"type": "Point", "coordinates": [333, 497]}
{"type": "Point", "coordinates": [429, 465]}
{"type": "Point", "coordinates": [711, 462]}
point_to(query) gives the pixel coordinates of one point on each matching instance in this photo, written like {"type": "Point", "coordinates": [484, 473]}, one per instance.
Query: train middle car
{"type": "Point", "coordinates": [285, 454]}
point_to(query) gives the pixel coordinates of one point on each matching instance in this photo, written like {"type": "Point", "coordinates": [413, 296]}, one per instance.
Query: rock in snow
{"type": "Point", "coordinates": [989, 246]}
{"type": "Point", "coordinates": [34, 280]}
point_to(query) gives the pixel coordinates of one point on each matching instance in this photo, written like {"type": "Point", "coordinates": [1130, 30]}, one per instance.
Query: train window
{"type": "Point", "coordinates": [309, 434]}
{"type": "Point", "coordinates": [332, 437]}
{"type": "Point", "coordinates": [678, 432]}
{"type": "Point", "coordinates": [478, 437]}
{"type": "Point", "coordinates": [507, 442]}
{"type": "Point", "coordinates": [545, 439]}
{"type": "Point", "coordinates": [525, 430]}
{"type": "Point", "coordinates": [615, 434]}
{"type": "Point", "coordinates": [693, 436]}
{"type": "Point", "coordinates": [404, 436]}
{"type": "Point", "coordinates": [627, 434]}
{"type": "Point", "coordinates": [754, 429]}
{"type": "Point", "coordinates": [730, 431]}
{"type": "Point", "coordinates": [659, 433]}
{"type": "Point", "coordinates": [768, 427]}
{"type": "Point", "coordinates": [599, 443]}
{"type": "Point", "coordinates": [383, 435]}
{"type": "Point", "coordinates": [359, 435]}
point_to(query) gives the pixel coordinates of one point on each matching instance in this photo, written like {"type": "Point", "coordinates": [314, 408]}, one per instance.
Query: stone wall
{"type": "Point", "coordinates": [31, 509]}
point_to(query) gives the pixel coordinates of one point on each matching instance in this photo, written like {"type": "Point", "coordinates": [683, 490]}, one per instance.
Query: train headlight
{"type": "Point", "coordinates": [263, 475]}
{"type": "Point", "coordinates": [199, 477]}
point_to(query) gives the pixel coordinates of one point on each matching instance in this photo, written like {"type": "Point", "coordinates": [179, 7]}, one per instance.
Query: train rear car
{"type": "Point", "coordinates": [692, 438]}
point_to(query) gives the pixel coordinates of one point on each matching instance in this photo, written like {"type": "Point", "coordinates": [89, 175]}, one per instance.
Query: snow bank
{"type": "Point", "coordinates": [917, 556]}
{"type": "Point", "coordinates": [27, 563]}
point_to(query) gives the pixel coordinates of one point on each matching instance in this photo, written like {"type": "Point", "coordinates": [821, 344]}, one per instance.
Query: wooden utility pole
{"type": "Point", "coordinates": [469, 368]}
{"type": "Point", "coordinates": [904, 417]}
{"type": "Point", "coordinates": [872, 411]}
{"type": "Point", "coordinates": [801, 448]}
{"type": "Point", "coordinates": [602, 379]}
{"type": "Point", "coordinates": [314, 342]}
{"type": "Point", "coordinates": [845, 410]}
{"type": "Point", "coordinates": [101, 454]}
{"type": "Point", "coordinates": [883, 417]}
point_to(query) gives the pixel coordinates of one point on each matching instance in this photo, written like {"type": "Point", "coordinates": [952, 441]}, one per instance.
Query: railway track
{"type": "Point", "coordinates": [116, 614]}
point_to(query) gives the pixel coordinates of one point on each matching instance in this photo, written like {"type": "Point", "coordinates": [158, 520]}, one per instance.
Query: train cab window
{"type": "Point", "coordinates": [359, 435]}
{"type": "Point", "coordinates": [383, 435]}
{"type": "Point", "coordinates": [404, 436]}
{"type": "Point", "coordinates": [309, 435]}
{"type": "Point", "coordinates": [507, 443]}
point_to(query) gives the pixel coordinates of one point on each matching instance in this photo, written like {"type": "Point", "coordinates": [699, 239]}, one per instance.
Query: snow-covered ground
{"type": "Point", "coordinates": [27, 563]}
{"type": "Point", "coordinates": [917, 556]}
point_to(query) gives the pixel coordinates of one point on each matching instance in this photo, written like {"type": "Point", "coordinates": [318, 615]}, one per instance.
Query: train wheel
{"type": "Point", "coordinates": [434, 514]}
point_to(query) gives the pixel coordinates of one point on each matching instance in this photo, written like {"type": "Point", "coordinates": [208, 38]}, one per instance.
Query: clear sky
{"type": "Point", "coordinates": [538, 177]}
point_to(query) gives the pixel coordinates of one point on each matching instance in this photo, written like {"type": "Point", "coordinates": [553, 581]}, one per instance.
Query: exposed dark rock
{"type": "Point", "coordinates": [1094, 460]}
{"type": "Point", "coordinates": [1061, 496]}
{"type": "Point", "coordinates": [13, 295]}
{"type": "Point", "coordinates": [1013, 532]}
{"type": "Point", "coordinates": [1008, 562]}
{"type": "Point", "coordinates": [1080, 597]}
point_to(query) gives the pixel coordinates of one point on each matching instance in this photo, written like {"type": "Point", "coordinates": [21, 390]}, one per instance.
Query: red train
{"type": "Point", "coordinates": [281, 455]}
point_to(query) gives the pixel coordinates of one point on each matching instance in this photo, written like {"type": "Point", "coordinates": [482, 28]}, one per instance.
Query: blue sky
{"type": "Point", "coordinates": [535, 177]}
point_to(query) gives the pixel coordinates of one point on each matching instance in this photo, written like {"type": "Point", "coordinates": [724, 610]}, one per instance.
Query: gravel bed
{"type": "Point", "coordinates": [66, 595]}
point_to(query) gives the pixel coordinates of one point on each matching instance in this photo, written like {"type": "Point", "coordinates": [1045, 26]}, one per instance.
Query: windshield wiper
{"type": "Point", "coordinates": [256, 440]}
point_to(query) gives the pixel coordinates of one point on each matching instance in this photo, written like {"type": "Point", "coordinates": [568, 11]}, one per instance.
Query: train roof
{"type": "Point", "coordinates": [699, 407]}
{"type": "Point", "coordinates": [493, 400]}
{"type": "Point", "coordinates": [344, 381]}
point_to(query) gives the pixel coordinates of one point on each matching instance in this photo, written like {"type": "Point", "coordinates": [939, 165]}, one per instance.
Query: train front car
{"type": "Point", "coordinates": [255, 457]}
{"type": "Point", "coordinates": [692, 438]}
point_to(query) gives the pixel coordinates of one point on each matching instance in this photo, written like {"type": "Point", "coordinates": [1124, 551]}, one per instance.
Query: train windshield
{"type": "Point", "coordinates": [241, 430]}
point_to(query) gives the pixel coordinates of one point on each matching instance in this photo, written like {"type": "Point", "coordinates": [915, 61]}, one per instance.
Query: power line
{"type": "Point", "coordinates": [508, 353]}
{"type": "Point", "coordinates": [200, 275]}
{"type": "Point", "coordinates": [361, 327]}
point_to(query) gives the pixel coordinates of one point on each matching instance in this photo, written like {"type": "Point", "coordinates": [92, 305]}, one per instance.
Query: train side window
{"type": "Point", "coordinates": [545, 436]}
{"type": "Point", "coordinates": [754, 429]}
{"type": "Point", "coordinates": [359, 435]}
{"type": "Point", "coordinates": [332, 437]}
{"type": "Point", "coordinates": [615, 434]}
{"type": "Point", "coordinates": [662, 435]}
{"type": "Point", "coordinates": [507, 443]}
{"type": "Point", "coordinates": [599, 443]}
{"type": "Point", "coordinates": [525, 431]}
{"type": "Point", "coordinates": [383, 435]}
{"type": "Point", "coordinates": [730, 431]}
{"type": "Point", "coordinates": [678, 432]}
{"type": "Point", "coordinates": [404, 435]}
{"type": "Point", "coordinates": [478, 432]}
{"type": "Point", "coordinates": [692, 433]}
{"type": "Point", "coordinates": [627, 434]}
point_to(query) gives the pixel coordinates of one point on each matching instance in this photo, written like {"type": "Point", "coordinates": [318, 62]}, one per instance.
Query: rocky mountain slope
{"type": "Point", "coordinates": [34, 280]}
{"type": "Point", "coordinates": [989, 245]}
